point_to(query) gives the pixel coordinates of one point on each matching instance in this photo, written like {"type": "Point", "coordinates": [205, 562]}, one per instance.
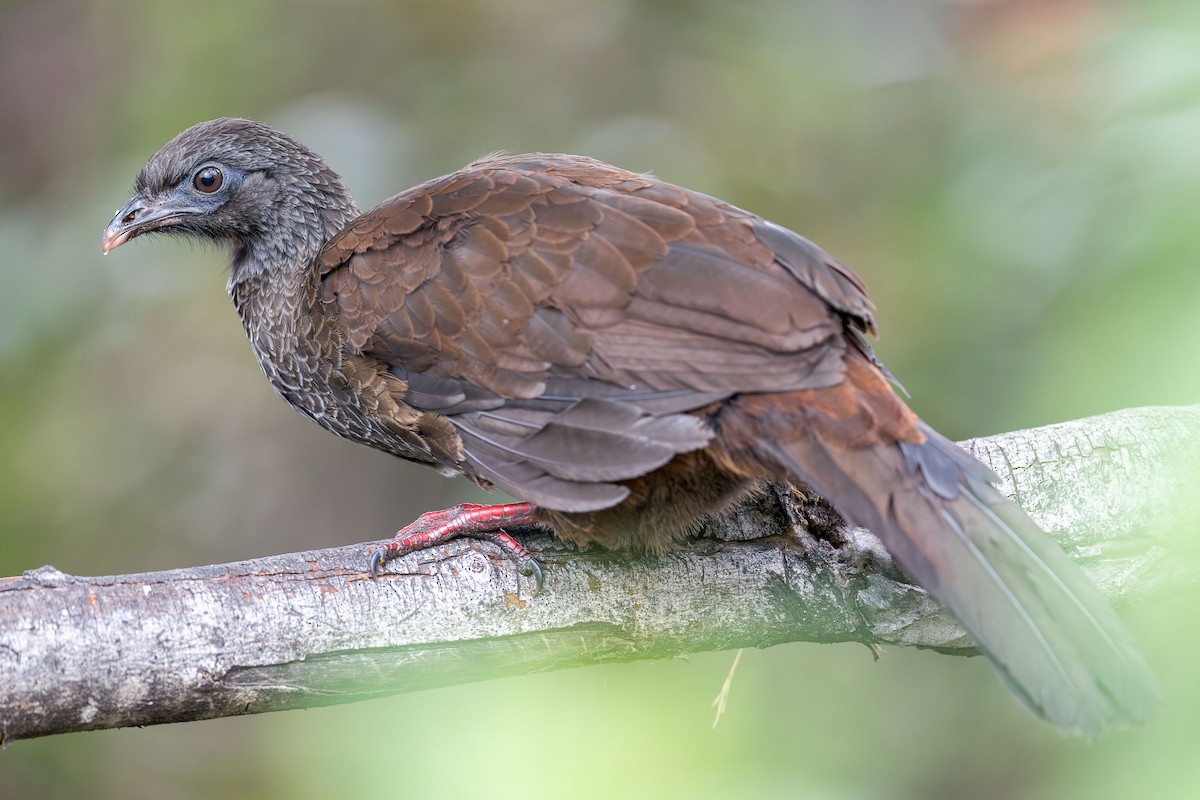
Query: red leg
{"type": "Point", "coordinates": [474, 521]}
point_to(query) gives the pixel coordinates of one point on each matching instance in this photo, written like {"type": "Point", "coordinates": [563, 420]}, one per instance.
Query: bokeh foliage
{"type": "Point", "coordinates": [1017, 180]}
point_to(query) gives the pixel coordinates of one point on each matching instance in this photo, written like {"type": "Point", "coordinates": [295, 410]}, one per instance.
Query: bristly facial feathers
{"type": "Point", "coordinates": [276, 197]}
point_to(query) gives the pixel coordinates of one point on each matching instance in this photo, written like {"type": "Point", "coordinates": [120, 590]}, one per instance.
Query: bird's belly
{"type": "Point", "coordinates": [663, 507]}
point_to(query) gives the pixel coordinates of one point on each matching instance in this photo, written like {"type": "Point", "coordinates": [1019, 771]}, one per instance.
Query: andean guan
{"type": "Point", "coordinates": [627, 357]}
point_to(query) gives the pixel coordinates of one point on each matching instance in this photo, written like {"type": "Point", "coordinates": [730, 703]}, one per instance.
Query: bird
{"type": "Point", "coordinates": [626, 358]}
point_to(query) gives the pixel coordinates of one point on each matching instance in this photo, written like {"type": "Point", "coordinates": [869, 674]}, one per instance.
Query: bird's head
{"type": "Point", "coordinates": [236, 181]}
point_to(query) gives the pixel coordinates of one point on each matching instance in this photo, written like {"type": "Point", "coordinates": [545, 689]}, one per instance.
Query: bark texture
{"type": "Point", "coordinates": [306, 629]}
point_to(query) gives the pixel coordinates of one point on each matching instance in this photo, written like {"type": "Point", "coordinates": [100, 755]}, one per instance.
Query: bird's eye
{"type": "Point", "coordinates": [207, 180]}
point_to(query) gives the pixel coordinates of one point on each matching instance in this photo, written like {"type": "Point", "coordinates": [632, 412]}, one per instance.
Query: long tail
{"type": "Point", "coordinates": [1051, 636]}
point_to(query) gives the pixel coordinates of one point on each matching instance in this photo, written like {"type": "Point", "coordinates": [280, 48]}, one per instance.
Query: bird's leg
{"type": "Point", "coordinates": [470, 520]}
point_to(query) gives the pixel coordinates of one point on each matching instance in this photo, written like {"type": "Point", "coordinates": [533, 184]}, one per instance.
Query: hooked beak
{"type": "Point", "coordinates": [141, 216]}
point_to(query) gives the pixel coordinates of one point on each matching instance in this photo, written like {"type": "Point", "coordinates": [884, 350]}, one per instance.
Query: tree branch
{"type": "Point", "coordinates": [310, 629]}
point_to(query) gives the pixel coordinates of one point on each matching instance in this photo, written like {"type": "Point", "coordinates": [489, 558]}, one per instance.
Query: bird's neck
{"type": "Point", "coordinates": [272, 278]}
{"type": "Point", "coordinates": [273, 283]}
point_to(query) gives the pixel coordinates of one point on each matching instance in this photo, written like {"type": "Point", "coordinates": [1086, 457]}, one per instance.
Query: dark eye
{"type": "Point", "coordinates": [207, 180]}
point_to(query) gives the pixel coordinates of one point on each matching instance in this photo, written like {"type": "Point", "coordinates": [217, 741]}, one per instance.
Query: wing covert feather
{"type": "Point", "coordinates": [518, 271]}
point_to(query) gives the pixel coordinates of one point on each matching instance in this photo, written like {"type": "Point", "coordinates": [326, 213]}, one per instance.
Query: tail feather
{"type": "Point", "coordinates": [1048, 632]}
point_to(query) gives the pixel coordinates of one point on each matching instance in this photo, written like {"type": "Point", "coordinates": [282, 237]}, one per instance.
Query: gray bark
{"type": "Point", "coordinates": [308, 629]}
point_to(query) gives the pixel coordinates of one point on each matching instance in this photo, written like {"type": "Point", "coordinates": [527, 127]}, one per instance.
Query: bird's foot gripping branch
{"type": "Point", "coordinates": [470, 520]}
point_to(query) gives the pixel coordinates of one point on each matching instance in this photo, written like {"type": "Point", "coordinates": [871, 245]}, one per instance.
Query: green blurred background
{"type": "Point", "coordinates": [1019, 183]}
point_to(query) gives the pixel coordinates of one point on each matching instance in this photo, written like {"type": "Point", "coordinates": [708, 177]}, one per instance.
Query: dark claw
{"type": "Point", "coordinates": [532, 567]}
{"type": "Point", "coordinates": [377, 561]}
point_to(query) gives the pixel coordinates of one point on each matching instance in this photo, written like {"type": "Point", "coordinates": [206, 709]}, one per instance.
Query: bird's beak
{"type": "Point", "coordinates": [139, 216]}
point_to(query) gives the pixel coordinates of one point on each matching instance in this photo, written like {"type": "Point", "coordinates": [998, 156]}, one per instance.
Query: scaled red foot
{"type": "Point", "coordinates": [470, 520]}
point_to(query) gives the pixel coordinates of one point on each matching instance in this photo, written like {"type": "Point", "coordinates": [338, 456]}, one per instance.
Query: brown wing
{"type": "Point", "coordinates": [563, 314]}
